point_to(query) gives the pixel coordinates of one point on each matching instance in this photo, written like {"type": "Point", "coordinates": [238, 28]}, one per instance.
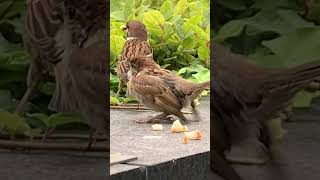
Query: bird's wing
{"type": "Point", "coordinates": [88, 69]}
{"type": "Point", "coordinates": [153, 88]}
{"type": "Point", "coordinates": [42, 23]}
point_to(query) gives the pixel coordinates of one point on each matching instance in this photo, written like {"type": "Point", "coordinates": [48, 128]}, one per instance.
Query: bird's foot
{"type": "Point", "coordinates": [248, 152]}
{"type": "Point", "coordinates": [155, 119]}
{"type": "Point", "coordinates": [138, 106]}
{"type": "Point", "coordinates": [92, 139]}
{"type": "Point", "coordinates": [88, 148]}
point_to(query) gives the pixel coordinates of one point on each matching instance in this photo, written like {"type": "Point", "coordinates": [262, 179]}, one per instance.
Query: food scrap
{"type": "Point", "coordinates": [157, 127]}
{"type": "Point", "coordinates": [194, 135]}
{"type": "Point", "coordinates": [185, 140]}
{"type": "Point", "coordinates": [178, 127]}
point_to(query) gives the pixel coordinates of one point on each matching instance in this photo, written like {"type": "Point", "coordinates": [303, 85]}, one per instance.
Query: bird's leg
{"type": "Point", "coordinates": [195, 111]}
{"type": "Point", "coordinates": [47, 133]}
{"type": "Point", "coordinates": [138, 106]}
{"type": "Point", "coordinates": [92, 139]}
{"type": "Point", "coordinates": [24, 99]}
{"type": "Point", "coordinates": [120, 86]}
{"type": "Point", "coordinates": [250, 150]}
{"type": "Point", "coordinates": [286, 114]}
{"type": "Point", "coordinates": [155, 119]}
{"type": "Point", "coordinates": [34, 76]}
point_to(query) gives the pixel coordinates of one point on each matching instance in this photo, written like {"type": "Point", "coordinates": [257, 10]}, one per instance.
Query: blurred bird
{"type": "Point", "coordinates": [161, 90]}
{"type": "Point", "coordinates": [136, 45]}
{"type": "Point", "coordinates": [81, 78]}
{"type": "Point", "coordinates": [69, 39]}
{"type": "Point", "coordinates": [43, 39]}
{"type": "Point", "coordinates": [245, 98]}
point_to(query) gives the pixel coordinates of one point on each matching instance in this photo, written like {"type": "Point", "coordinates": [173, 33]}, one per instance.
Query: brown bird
{"type": "Point", "coordinates": [81, 77]}
{"type": "Point", "coordinates": [136, 45]}
{"type": "Point", "coordinates": [69, 39]}
{"type": "Point", "coordinates": [43, 39]}
{"type": "Point", "coordinates": [245, 98]}
{"type": "Point", "coordinates": [161, 90]}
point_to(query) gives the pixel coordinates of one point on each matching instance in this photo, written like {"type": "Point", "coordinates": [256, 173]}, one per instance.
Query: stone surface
{"type": "Point", "coordinates": [18, 165]}
{"type": "Point", "coordinates": [130, 172]}
{"type": "Point", "coordinates": [162, 153]}
{"type": "Point", "coordinates": [297, 157]}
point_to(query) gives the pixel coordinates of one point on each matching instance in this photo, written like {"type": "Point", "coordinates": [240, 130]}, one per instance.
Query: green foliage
{"type": "Point", "coordinates": [14, 63]}
{"type": "Point", "coordinates": [58, 119]}
{"type": "Point", "coordinates": [272, 33]}
{"type": "Point", "coordinates": [178, 30]}
{"type": "Point", "coordinates": [12, 124]}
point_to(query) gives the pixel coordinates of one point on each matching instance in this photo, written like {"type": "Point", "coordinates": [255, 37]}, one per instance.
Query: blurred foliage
{"type": "Point", "coordinates": [272, 33]}
{"type": "Point", "coordinates": [14, 63]}
{"type": "Point", "coordinates": [179, 33]}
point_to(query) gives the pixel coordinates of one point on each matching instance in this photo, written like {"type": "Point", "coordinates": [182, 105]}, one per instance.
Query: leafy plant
{"type": "Point", "coordinates": [271, 33]}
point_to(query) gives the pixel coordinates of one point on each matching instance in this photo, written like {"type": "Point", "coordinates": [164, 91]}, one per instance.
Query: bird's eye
{"type": "Point", "coordinates": [124, 28]}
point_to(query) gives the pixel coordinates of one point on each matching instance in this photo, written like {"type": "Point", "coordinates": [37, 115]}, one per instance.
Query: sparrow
{"type": "Point", "coordinates": [69, 39]}
{"type": "Point", "coordinates": [136, 45]}
{"type": "Point", "coordinates": [245, 98]}
{"type": "Point", "coordinates": [81, 77]}
{"type": "Point", "coordinates": [42, 39]}
{"type": "Point", "coordinates": [161, 90]}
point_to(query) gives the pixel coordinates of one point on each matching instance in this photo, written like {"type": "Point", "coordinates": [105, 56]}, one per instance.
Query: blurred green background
{"type": "Point", "coordinates": [14, 63]}
{"type": "Point", "coordinates": [271, 33]}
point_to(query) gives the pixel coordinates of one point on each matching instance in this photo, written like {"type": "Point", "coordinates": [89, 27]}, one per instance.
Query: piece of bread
{"type": "Point", "coordinates": [185, 140]}
{"type": "Point", "coordinates": [194, 135]}
{"type": "Point", "coordinates": [157, 127]}
{"type": "Point", "coordinates": [177, 127]}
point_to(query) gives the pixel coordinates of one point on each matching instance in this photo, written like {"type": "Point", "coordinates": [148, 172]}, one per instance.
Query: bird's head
{"type": "Point", "coordinates": [136, 29]}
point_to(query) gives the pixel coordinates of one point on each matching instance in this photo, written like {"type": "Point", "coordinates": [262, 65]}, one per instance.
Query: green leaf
{"type": "Point", "coordinates": [12, 123]}
{"type": "Point", "coordinates": [235, 5]}
{"type": "Point", "coordinates": [5, 99]}
{"type": "Point", "coordinates": [117, 15]}
{"type": "Point", "coordinates": [230, 29]}
{"type": "Point", "coordinates": [17, 9]}
{"type": "Point", "coordinates": [276, 20]}
{"type": "Point", "coordinates": [59, 119]}
{"type": "Point", "coordinates": [273, 4]}
{"type": "Point", "coordinates": [114, 100]}
{"type": "Point", "coordinates": [200, 34]}
{"type": "Point", "coordinates": [202, 76]}
{"type": "Point", "coordinates": [128, 8]}
{"type": "Point", "coordinates": [181, 7]}
{"type": "Point", "coordinates": [43, 118]}
{"type": "Point", "coordinates": [166, 9]}
{"type": "Point", "coordinates": [303, 99]}
{"type": "Point", "coordinates": [154, 22]}
{"type": "Point", "coordinates": [5, 45]}
{"type": "Point", "coordinates": [182, 71]}
{"type": "Point", "coordinates": [189, 43]}
{"type": "Point", "coordinates": [116, 44]}
{"type": "Point", "coordinates": [297, 47]}
{"type": "Point", "coordinates": [203, 53]}
{"type": "Point", "coordinates": [47, 88]}
{"type": "Point", "coordinates": [4, 7]}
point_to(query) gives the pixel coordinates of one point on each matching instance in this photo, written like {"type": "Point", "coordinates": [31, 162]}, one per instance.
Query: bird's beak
{"type": "Point", "coordinates": [124, 28]}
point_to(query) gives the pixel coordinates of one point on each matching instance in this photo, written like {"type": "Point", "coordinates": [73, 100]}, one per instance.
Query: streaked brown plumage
{"type": "Point", "coordinates": [81, 78]}
{"type": "Point", "coordinates": [161, 90]}
{"type": "Point", "coordinates": [136, 45]}
{"type": "Point", "coordinates": [43, 39]}
{"type": "Point", "coordinates": [245, 98]}
{"type": "Point", "coordinates": [71, 37]}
